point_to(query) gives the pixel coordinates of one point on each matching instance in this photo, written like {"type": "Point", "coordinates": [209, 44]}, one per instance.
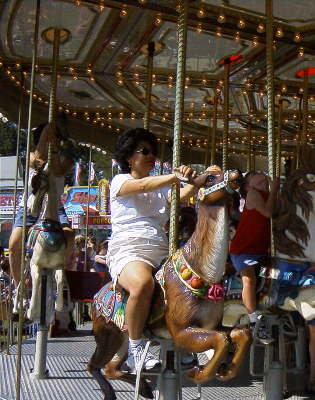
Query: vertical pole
{"type": "Point", "coordinates": [305, 107]}
{"type": "Point", "coordinates": [226, 117]}
{"type": "Point", "coordinates": [39, 371]}
{"type": "Point", "coordinates": [270, 98]}
{"type": "Point", "coordinates": [270, 86]}
{"type": "Point", "coordinates": [278, 142]}
{"type": "Point", "coordinates": [88, 208]}
{"type": "Point", "coordinates": [299, 134]}
{"type": "Point", "coordinates": [18, 146]}
{"type": "Point", "coordinates": [162, 157]}
{"type": "Point", "coordinates": [178, 117]}
{"type": "Point", "coordinates": [249, 156]}
{"type": "Point", "coordinates": [214, 131]}
{"type": "Point", "coordinates": [26, 177]}
{"type": "Point", "coordinates": [151, 49]}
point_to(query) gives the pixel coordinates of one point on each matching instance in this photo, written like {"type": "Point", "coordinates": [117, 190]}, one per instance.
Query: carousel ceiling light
{"type": "Point", "coordinates": [158, 20]}
{"type": "Point", "coordinates": [261, 28]}
{"type": "Point", "coordinates": [199, 28]}
{"type": "Point", "coordinates": [297, 37]}
{"type": "Point", "coordinates": [123, 12]}
{"type": "Point", "coordinates": [237, 36]}
{"type": "Point", "coordinates": [221, 19]}
{"type": "Point", "coordinates": [142, 1]}
{"type": "Point", "coordinates": [201, 13]}
{"type": "Point", "coordinates": [48, 35]}
{"type": "Point", "coordinates": [92, 78]}
{"type": "Point", "coordinates": [75, 77]}
{"type": "Point", "coordinates": [255, 41]}
{"type": "Point", "coordinates": [218, 32]}
{"type": "Point", "coordinates": [279, 32]}
{"type": "Point", "coordinates": [241, 24]}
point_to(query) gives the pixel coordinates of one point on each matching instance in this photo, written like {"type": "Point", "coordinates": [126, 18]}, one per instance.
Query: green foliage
{"type": "Point", "coordinates": [8, 139]}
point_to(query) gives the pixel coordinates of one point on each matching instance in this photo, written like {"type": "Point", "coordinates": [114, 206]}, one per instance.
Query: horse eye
{"type": "Point", "coordinates": [310, 177]}
{"type": "Point", "coordinates": [210, 179]}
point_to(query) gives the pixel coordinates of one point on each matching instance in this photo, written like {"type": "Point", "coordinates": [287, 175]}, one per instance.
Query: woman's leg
{"type": "Point", "coordinates": [137, 279]}
{"type": "Point", "coordinates": [15, 249]}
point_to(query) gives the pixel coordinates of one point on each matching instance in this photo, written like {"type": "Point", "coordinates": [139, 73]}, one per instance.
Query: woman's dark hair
{"type": "Point", "coordinates": [128, 142]}
{"type": "Point", "coordinates": [102, 245]}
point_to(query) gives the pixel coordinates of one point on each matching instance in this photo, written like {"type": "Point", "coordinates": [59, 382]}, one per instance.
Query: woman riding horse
{"type": "Point", "coordinates": [139, 212]}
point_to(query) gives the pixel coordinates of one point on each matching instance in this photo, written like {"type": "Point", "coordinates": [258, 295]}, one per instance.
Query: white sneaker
{"type": "Point", "coordinates": [135, 357]}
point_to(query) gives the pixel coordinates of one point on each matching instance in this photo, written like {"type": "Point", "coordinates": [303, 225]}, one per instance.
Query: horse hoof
{"type": "Point", "coordinates": [222, 372]}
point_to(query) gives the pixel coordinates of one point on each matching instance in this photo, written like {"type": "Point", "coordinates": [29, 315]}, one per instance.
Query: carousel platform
{"type": "Point", "coordinates": [69, 380]}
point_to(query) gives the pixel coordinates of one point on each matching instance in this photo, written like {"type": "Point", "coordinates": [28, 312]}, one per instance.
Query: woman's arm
{"type": "Point", "coordinates": [147, 184]}
{"type": "Point", "coordinates": [100, 259]}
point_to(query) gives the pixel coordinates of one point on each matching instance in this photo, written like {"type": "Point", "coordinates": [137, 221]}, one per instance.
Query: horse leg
{"type": "Point", "coordinates": [108, 340]}
{"type": "Point", "coordinates": [33, 312]}
{"type": "Point", "coordinates": [59, 277]}
{"type": "Point", "coordinates": [241, 338]}
{"type": "Point", "coordinates": [197, 340]}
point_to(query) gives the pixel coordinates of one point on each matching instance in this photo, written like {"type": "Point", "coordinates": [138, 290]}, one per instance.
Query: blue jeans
{"type": "Point", "coordinates": [30, 220]}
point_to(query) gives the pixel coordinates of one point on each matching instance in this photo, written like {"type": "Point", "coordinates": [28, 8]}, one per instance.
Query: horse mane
{"type": "Point", "coordinates": [285, 220]}
{"type": "Point", "coordinates": [197, 248]}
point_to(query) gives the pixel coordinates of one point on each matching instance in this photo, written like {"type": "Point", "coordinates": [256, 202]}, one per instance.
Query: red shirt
{"type": "Point", "coordinates": [253, 232]}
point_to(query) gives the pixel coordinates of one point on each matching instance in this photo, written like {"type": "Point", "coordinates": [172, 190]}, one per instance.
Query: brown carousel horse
{"type": "Point", "coordinates": [193, 297]}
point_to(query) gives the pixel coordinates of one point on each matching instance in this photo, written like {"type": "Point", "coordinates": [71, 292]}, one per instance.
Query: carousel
{"type": "Point", "coordinates": [224, 82]}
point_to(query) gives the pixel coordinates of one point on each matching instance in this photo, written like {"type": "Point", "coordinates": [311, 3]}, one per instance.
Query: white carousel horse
{"type": "Point", "coordinates": [48, 245]}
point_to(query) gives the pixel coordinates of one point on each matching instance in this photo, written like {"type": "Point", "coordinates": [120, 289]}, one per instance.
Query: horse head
{"type": "Point", "coordinates": [217, 188]}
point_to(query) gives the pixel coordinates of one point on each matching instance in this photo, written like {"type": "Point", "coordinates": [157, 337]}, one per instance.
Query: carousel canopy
{"type": "Point", "coordinates": [103, 68]}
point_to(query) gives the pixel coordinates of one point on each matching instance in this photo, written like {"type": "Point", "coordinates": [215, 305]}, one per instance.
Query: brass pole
{"type": "Point", "coordinates": [270, 97]}
{"type": "Point", "coordinates": [178, 117]}
{"type": "Point", "coordinates": [278, 142]}
{"type": "Point", "coordinates": [214, 131]}
{"type": "Point", "coordinates": [226, 117]}
{"type": "Point", "coordinates": [299, 134]}
{"type": "Point", "coordinates": [151, 49]}
{"type": "Point", "coordinates": [88, 208]}
{"type": "Point", "coordinates": [305, 107]}
{"type": "Point", "coordinates": [162, 156]}
{"type": "Point", "coordinates": [26, 178]}
{"type": "Point", "coordinates": [270, 86]}
{"type": "Point", "coordinates": [18, 145]}
{"type": "Point", "coordinates": [249, 156]}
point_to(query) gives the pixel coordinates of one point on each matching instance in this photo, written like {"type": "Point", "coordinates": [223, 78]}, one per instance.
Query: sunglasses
{"type": "Point", "coordinates": [144, 151]}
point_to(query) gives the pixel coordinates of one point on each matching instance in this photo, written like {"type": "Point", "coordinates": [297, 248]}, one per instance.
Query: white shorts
{"type": "Point", "coordinates": [122, 252]}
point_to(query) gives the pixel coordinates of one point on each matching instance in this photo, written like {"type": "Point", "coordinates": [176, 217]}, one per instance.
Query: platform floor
{"type": "Point", "coordinates": [69, 380]}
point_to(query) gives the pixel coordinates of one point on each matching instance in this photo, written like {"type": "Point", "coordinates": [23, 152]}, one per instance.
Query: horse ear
{"type": "Point", "coordinates": [307, 156]}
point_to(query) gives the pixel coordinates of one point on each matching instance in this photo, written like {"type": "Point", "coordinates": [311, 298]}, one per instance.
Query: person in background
{"type": "Point", "coordinates": [100, 264]}
{"type": "Point", "coordinates": [42, 136]}
{"type": "Point", "coordinates": [91, 252]}
{"type": "Point", "coordinates": [251, 241]}
{"type": "Point", "coordinates": [79, 254]}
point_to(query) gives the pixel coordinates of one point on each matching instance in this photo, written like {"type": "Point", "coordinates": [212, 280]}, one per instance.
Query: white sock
{"type": "Point", "coordinates": [133, 343]}
{"type": "Point", "coordinates": [253, 317]}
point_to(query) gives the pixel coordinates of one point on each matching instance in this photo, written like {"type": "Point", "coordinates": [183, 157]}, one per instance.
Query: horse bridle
{"type": "Point", "coordinates": [225, 184]}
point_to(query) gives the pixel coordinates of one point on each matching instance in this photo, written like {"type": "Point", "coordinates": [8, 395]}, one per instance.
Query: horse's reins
{"type": "Point", "coordinates": [203, 192]}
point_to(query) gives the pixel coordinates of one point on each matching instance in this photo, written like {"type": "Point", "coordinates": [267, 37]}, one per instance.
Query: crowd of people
{"type": "Point", "coordinates": [139, 216]}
